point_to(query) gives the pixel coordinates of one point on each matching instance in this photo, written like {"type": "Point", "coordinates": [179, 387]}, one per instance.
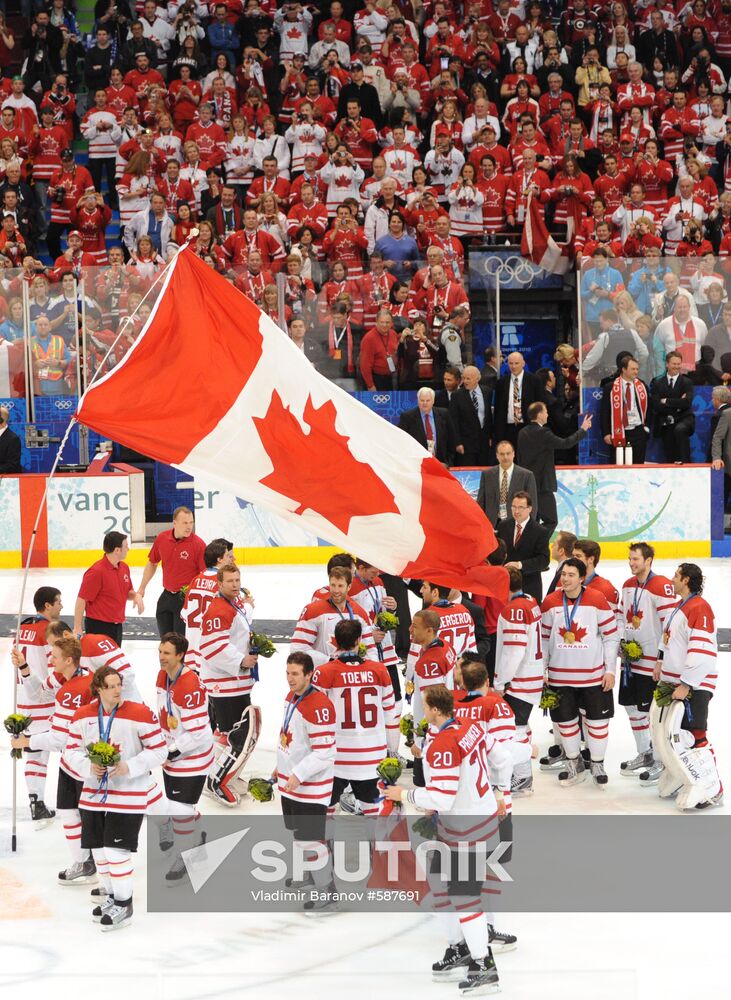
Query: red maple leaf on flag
{"type": "Point", "coordinates": [317, 469]}
{"type": "Point", "coordinates": [578, 631]}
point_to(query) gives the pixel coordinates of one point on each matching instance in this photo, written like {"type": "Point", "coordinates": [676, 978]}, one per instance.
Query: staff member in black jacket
{"type": "Point", "coordinates": [469, 409]}
{"type": "Point", "coordinates": [430, 426]}
{"type": "Point", "coordinates": [514, 393]}
{"type": "Point", "coordinates": [536, 447]}
{"type": "Point", "coordinates": [672, 407]}
{"type": "Point", "coordinates": [527, 544]}
{"type": "Point", "coordinates": [9, 445]}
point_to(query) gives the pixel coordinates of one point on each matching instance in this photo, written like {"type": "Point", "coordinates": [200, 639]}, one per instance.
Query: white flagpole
{"type": "Point", "coordinates": [123, 327]}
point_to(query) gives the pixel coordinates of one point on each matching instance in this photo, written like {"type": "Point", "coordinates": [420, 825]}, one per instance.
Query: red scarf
{"type": "Point", "coordinates": [335, 350]}
{"type": "Point", "coordinates": [686, 344]}
{"type": "Point", "coordinates": [617, 411]}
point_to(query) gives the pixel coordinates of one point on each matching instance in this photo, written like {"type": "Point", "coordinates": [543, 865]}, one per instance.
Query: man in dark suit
{"type": "Point", "coordinates": [500, 483]}
{"type": "Point", "coordinates": [527, 544]}
{"type": "Point", "coordinates": [451, 379]}
{"type": "Point", "coordinates": [430, 426]}
{"type": "Point", "coordinates": [9, 445]}
{"type": "Point", "coordinates": [491, 371]}
{"type": "Point", "coordinates": [514, 393]}
{"type": "Point", "coordinates": [625, 411]}
{"type": "Point", "coordinates": [469, 409]}
{"type": "Point", "coordinates": [672, 407]}
{"type": "Point", "coordinates": [536, 447]}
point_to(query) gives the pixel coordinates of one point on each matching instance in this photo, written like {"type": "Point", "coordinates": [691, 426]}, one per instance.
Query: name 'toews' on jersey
{"type": "Point", "coordinates": [367, 724]}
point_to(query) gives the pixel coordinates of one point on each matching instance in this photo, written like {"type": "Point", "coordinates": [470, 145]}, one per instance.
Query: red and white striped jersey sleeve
{"type": "Point", "coordinates": [390, 712]}
{"type": "Point", "coordinates": [318, 717]}
{"type": "Point", "coordinates": [519, 658]}
{"type": "Point", "coordinates": [663, 597]}
{"type": "Point", "coordinates": [607, 621]}
{"type": "Point", "coordinates": [443, 760]}
{"type": "Point", "coordinates": [305, 635]}
{"type": "Point", "coordinates": [190, 732]}
{"type": "Point", "coordinates": [70, 696]}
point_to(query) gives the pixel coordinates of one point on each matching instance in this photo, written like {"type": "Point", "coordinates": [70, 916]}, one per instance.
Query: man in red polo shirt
{"type": "Point", "coordinates": [105, 589]}
{"type": "Point", "coordinates": [180, 551]}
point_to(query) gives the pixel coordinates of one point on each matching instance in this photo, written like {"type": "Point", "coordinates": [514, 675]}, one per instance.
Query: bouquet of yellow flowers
{"type": "Point", "coordinates": [406, 726]}
{"type": "Point", "coordinates": [261, 789]}
{"type": "Point", "coordinates": [630, 650]}
{"type": "Point", "coordinates": [549, 698]}
{"type": "Point", "coordinates": [386, 621]}
{"type": "Point", "coordinates": [422, 729]}
{"type": "Point", "coordinates": [16, 724]}
{"type": "Point", "coordinates": [362, 652]}
{"type": "Point", "coordinates": [261, 644]}
{"type": "Point", "coordinates": [389, 770]}
{"type": "Point", "coordinates": [105, 755]}
{"type": "Point", "coordinates": [663, 694]}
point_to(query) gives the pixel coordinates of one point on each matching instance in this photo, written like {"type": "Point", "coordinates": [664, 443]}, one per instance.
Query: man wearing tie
{"type": "Point", "coordinates": [514, 393]}
{"type": "Point", "coordinates": [527, 544]}
{"type": "Point", "coordinates": [469, 409]}
{"type": "Point", "coordinates": [430, 426]}
{"type": "Point", "coordinates": [625, 411]}
{"type": "Point", "coordinates": [500, 483]}
{"type": "Point", "coordinates": [672, 404]}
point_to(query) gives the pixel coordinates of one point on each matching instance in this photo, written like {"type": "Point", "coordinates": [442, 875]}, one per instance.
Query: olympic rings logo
{"type": "Point", "coordinates": [64, 404]}
{"type": "Point", "coordinates": [9, 404]}
{"type": "Point", "coordinates": [596, 394]}
{"type": "Point", "coordinates": [382, 399]}
{"type": "Point", "coordinates": [510, 268]}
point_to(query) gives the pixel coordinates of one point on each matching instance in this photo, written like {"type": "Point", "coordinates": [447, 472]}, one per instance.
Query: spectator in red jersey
{"type": "Point", "coordinates": [66, 187]}
{"type": "Point", "coordinates": [91, 217]}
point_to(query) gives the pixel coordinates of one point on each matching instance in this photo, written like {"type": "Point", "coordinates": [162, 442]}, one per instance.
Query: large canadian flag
{"type": "Point", "coordinates": [215, 388]}
{"type": "Point", "coordinates": [537, 243]}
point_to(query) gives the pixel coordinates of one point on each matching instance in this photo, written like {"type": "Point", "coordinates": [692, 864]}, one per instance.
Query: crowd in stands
{"type": "Point", "coordinates": [339, 159]}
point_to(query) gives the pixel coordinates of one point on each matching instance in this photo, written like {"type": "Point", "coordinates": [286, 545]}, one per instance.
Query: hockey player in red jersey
{"type": "Point", "coordinates": [182, 707]}
{"type": "Point", "coordinates": [315, 630]}
{"type": "Point", "coordinates": [305, 769]}
{"type": "Point", "coordinates": [35, 651]}
{"type": "Point", "coordinates": [457, 758]}
{"type": "Point", "coordinates": [367, 726]}
{"type": "Point", "coordinates": [69, 685]}
{"type": "Point", "coordinates": [228, 673]}
{"type": "Point", "coordinates": [519, 667]}
{"type": "Point", "coordinates": [580, 642]}
{"type": "Point", "coordinates": [201, 591]}
{"type": "Point", "coordinates": [647, 600]}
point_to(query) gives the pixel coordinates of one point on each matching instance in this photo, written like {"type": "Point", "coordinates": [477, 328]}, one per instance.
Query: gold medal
{"type": "Point", "coordinates": [172, 722]}
{"type": "Point", "coordinates": [666, 637]}
{"type": "Point", "coordinates": [283, 740]}
{"type": "Point", "coordinates": [569, 638]}
{"type": "Point", "coordinates": [636, 621]}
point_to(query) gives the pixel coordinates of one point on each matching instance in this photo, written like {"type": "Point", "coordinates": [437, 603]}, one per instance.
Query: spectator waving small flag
{"type": "Point", "coordinates": [215, 388]}
{"type": "Point", "coordinates": [537, 243]}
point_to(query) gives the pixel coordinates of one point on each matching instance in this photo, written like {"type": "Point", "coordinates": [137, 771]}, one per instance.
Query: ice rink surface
{"type": "Point", "coordinates": [49, 945]}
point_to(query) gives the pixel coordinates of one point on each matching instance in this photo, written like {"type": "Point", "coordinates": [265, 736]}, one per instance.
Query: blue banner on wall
{"type": "Point", "coordinates": [534, 338]}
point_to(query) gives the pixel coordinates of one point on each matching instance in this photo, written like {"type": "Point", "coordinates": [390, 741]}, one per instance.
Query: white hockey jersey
{"type": "Point", "coordinates": [371, 597]}
{"type": "Point", "coordinates": [201, 591]}
{"type": "Point", "coordinates": [36, 703]}
{"type": "Point", "coordinates": [646, 609]}
{"type": "Point", "coordinates": [224, 644]}
{"type": "Point", "coordinates": [136, 731]}
{"type": "Point", "coordinates": [367, 727]}
{"type": "Point", "coordinates": [579, 653]}
{"type": "Point", "coordinates": [456, 627]}
{"type": "Point", "coordinates": [101, 651]}
{"type": "Point", "coordinates": [690, 653]}
{"type": "Point", "coordinates": [307, 747]}
{"type": "Point", "coordinates": [69, 696]}
{"type": "Point", "coordinates": [315, 630]}
{"type": "Point", "coordinates": [183, 712]}
{"type": "Point", "coordinates": [519, 655]}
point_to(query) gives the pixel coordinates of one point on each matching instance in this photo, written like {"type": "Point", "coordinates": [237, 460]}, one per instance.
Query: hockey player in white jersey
{"type": "Point", "coordinates": [201, 591]}
{"type": "Point", "coordinates": [100, 651]}
{"type": "Point", "coordinates": [315, 630]}
{"type": "Point", "coordinates": [370, 592]}
{"type": "Point", "coordinates": [34, 650]}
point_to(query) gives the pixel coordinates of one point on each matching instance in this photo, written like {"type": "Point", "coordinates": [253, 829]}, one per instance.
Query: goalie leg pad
{"type": "Point", "coordinates": [671, 778]}
{"type": "Point", "coordinates": [241, 742]}
{"type": "Point", "coordinates": [690, 770]}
